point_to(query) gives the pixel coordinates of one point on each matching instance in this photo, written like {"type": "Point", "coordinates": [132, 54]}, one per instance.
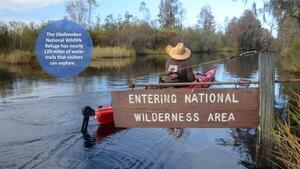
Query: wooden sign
{"type": "Point", "coordinates": [188, 108]}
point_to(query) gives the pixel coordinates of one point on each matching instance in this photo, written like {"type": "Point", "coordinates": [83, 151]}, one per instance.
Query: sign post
{"type": "Point", "coordinates": [266, 111]}
{"type": "Point", "coordinates": [190, 108]}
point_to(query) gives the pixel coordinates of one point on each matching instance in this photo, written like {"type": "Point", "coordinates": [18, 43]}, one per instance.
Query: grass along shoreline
{"type": "Point", "coordinates": [112, 52]}
{"type": "Point", "coordinates": [285, 137]}
{"type": "Point", "coordinates": [28, 57]}
{"type": "Point", "coordinates": [18, 57]}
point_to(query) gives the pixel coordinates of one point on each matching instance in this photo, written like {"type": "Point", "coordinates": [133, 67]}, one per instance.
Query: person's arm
{"type": "Point", "coordinates": [189, 73]}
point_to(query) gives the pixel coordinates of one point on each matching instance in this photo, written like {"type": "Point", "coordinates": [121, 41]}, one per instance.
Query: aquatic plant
{"type": "Point", "coordinates": [285, 137]}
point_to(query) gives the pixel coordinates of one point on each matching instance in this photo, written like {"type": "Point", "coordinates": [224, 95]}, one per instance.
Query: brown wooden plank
{"type": "Point", "coordinates": [266, 64]}
{"type": "Point", "coordinates": [186, 111]}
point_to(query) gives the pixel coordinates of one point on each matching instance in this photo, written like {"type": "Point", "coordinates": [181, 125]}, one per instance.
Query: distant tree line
{"type": "Point", "coordinates": [286, 14]}
{"type": "Point", "coordinates": [244, 33]}
{"type": "Point", "coordinates": [18, 35]}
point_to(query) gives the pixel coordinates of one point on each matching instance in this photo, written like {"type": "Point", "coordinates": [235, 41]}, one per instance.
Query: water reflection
{"type": "Point", "coordinates": [103, 132]}
{"type": "Point", "coordinates": [28, 71]}
{"type": "Point", "coordinates": [244, 142]}
{"type": "Point", "coordinates": [243, 67]}
{"type": "Point", "coordinates": [178, 133]}
{"type": "Point", "coordinates": [114, 63]}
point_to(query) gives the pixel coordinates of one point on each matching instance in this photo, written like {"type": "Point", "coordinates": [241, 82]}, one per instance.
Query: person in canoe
{"type": "Point", "coordinates": [178, 66]}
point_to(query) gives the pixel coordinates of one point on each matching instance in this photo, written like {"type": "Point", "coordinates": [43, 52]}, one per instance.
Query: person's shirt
{"type": "Point", "coordinates": [182, 67]}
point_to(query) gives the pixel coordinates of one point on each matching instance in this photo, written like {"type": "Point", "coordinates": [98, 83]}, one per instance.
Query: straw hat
{"type": "Point", "coordinates": [180, 52]}
{"type": "Point", "coordinates": [168, 49]}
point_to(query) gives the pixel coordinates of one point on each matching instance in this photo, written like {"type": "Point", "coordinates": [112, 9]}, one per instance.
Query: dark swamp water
{"type": "Point", "coordinates": [40, 121]}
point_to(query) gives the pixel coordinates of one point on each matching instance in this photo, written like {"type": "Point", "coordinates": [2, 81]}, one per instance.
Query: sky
{"type": "Point", "coordinates": [43, 10]}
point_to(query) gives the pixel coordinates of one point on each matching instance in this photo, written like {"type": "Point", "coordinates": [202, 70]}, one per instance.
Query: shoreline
{"type": "Point", "coordinates": [23, 57]}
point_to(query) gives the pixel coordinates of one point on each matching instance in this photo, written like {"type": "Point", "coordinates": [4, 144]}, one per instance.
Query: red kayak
{"type": "Point", "coordinates": [104, 114]}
